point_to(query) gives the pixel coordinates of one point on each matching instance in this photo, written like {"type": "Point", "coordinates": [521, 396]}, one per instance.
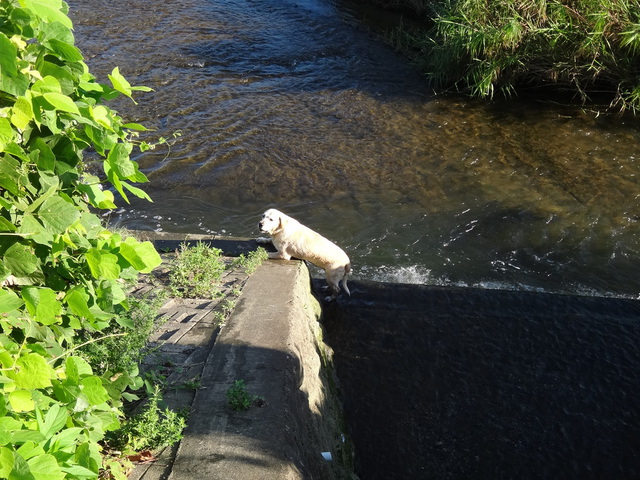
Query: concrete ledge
{"type": "Point", "coordinates": [273, 342]}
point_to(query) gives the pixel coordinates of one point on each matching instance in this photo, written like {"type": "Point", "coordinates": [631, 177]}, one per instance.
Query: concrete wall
{"type": "Point", "coordinates": [273, 342]}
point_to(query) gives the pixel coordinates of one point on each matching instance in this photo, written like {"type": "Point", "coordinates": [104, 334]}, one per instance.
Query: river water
{"type": "Point", "coordinates": [292, 104]}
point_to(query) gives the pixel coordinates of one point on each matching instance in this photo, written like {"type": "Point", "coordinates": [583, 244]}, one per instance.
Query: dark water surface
{"type": "Point", "coordinates": [288, 103]}
{"type": "Point", "coordinates": [291, 104]}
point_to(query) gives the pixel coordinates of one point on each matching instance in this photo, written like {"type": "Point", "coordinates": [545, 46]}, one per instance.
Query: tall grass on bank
{"type": "Point", "coordinates": [480, 47]}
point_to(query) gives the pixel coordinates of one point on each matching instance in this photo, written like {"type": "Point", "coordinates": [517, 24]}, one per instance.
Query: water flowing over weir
{"type": "Point", "coordinates": [290, 104]}
{"type": "Point", "coordinates": [467, 383]}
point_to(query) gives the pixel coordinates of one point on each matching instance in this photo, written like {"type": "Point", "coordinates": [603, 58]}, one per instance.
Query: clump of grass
{"type": "Point", "coordinates": [252, 260]}
{"type": "Point", "coordinates": [197, 271]}
{"type": "Point", "coordinates": [152, 429]}
{"type": "Point", "coordinates": [481, 47]}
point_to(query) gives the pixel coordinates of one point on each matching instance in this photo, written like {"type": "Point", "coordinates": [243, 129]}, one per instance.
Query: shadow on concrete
{"type": "Point", "coordinates": [280, 436]}
{"type": "Point", "coordinates": [270, 342]}
{"type": "Point", "coordinates": [467, 383]}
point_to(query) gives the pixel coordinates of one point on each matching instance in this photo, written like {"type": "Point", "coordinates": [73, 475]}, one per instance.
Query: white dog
{"type": "Point", "coordinates": [292, 239]}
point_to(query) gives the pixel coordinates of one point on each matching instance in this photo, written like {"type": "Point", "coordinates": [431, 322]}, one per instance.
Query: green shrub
{"type": "Point", "coordinates": [196, 271]}
{"type": "Point", "coordinates": [63, 274]}
{"type": "Point", "coordinates": [152, 429]}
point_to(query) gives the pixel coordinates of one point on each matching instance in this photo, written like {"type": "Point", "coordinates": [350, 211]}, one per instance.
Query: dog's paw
{"type": "Point", "coordinates": [263, 240]}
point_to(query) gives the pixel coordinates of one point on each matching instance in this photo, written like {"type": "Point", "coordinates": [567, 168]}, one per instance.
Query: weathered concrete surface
{"type": "Point", "coordinates": [269, 342]}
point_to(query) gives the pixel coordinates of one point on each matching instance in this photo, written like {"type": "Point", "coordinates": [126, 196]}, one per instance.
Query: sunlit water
{"type": "Point", "coordinates": [290, 104]}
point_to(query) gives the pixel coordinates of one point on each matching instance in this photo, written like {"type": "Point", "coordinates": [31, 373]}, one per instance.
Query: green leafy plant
{"type": "Point", "coordinates": [251, 261]}
{"type": "Point", "coordinates": [196, 271]}
{"type": "Point", "coordinates": [238, 397]}
{"type": "Point", "coordinates": [63, 275]}
{"type": "Point", "coordinates": [152, 429]}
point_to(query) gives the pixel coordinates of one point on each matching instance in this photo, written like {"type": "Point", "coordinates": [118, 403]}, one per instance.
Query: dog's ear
{"type": "Point", "coordinates": [282, 221]}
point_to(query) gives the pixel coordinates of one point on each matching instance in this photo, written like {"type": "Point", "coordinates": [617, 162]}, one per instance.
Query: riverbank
{"type": "Point", "coordinates": [272, 341]}
{"type": "Point", "coordinates": [587, 50]}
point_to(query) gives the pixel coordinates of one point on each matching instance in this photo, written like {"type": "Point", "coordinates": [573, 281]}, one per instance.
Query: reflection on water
{"type": "Point", "coordinates": [283, 103]}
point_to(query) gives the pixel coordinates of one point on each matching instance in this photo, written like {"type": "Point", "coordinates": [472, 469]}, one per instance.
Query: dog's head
{"type": "Point", "coordinates": [272, 221]}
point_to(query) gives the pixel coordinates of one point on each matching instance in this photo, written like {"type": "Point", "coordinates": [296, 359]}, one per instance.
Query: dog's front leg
{"type": "Point", "coordinates": [279, 256]}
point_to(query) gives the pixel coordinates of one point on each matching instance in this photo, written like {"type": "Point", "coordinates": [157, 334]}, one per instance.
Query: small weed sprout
{"type": "Point", "coordinates": [239, 399]}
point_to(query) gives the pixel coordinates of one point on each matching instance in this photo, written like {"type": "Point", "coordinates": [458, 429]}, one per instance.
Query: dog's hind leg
{"type": "Point", "coordinates": [333, 281]}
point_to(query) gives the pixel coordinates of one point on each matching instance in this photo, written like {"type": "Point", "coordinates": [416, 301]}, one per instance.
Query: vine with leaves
{"type": "Point", "coordinates": [62, 271]}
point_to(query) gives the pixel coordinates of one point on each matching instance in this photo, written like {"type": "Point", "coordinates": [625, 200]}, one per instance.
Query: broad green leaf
{"type": "Point", "coordinates": [24, 435]}
{"type": "Point", "coordinates": [77, 301]}
{"type": "Point", "coordinates": [49, 10]}
{"type": "Point", "coordinates": [102, 116]}
{"type": "Point", "coordinates": [119, 160]}
{"type": "Point", "coordinates": [103, 264]}
{"type": "Point", "coordinates": [21, 113]}
{"type": "Point", "coordinates": [98, 197]}
{"type": "Point", "coordinates": [45, 467]}
{"type": "Point", "coordinates": [32, 229]}
{"type": "Point", "coordinates": [30, 449]}
{"type": "Point", "coordinates": [6, 132]}
{"type": "Point", "coordinates": [16, 85]}
{"type": "Point", "coordinates": [120, 83]}
{"type": "Point", "coordinates": [20, 260]}
{"type": "Point", "coordinates": [50, 192]}
{"type": "Point", "coordinates": [142, 256]}
{"type": "Point", "coordinates": [53, 421]}
{"type": "Point", "coordinates": [42, 304]}
{"type": "Point", "coordinates": [21, 401]}
{"type": "Point", "coordinates": [16, 150]}
{"type": "Point", "coordinates": [32, 371]}
{"type": "Point", "coordinates": [61, 102]}
{"type": "Point", "coordinates": [62, 74]}
{"type": "Point", "coordinates": [8, 55]}
{"type": "Point", "coordinates": [135, 126]}
{"type": "Point", "coordinates": [58, 214]}
{"type": "Point", "coordinates": [46, 158]}
{"type": "Point", "coordinates": [9, 301]}
{"type": "Point", "coordinates": [109, 294]}
{"type": "Point", "coordinates": [6, 225]}
{"type": "Point", "coordinates": [48, 84]}
{"type": "Point", "coordinates": [65, 50]}
{"type": "Point", "coordinates": [20, 469]}
{"type": "Point", "coordinates": [94, 390]}
{"type": "Point", "coordinates": [138, 192]}
{"type": "Point", "coordinates": [5, 438]}
{"type": "Point", "coordinates": [77, 368]}
{"type": "Point", "coordinates": [6, 462]}
{"type": "Point", "coordinates": [115, 180]}
{"type": "Point", "coordinates": [56, 30]}
{"type": "Point", "coordinates": [76, 471]}
{"type": "Point", "coordinates": [66, 438]}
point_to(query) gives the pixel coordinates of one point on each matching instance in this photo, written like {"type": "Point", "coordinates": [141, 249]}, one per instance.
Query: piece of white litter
{"type": "Point", "coordinates": [327, 456]}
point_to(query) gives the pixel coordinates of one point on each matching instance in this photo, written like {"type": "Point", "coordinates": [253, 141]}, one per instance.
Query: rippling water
{"type": "Point", "coordinates": [291, 104]}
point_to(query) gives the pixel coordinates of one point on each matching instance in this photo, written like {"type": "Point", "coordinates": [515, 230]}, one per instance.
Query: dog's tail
{"type": "Point", "coordinates": [347, 271]}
